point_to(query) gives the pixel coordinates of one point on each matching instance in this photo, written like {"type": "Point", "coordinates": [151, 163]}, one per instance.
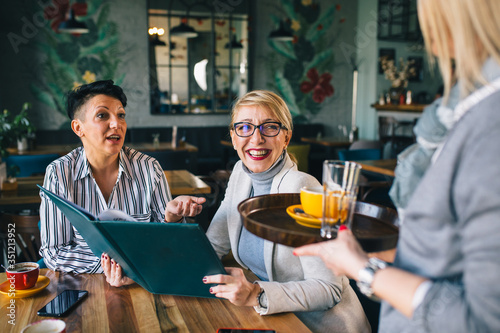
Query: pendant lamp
{"type": "Point", "coordinates": [73, 26]}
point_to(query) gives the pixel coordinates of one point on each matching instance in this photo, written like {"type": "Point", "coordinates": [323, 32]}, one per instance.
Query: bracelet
{"type": "Point", "coordinates": [366, 275]}
{"type": "Point", "coordinates": [182, 218]}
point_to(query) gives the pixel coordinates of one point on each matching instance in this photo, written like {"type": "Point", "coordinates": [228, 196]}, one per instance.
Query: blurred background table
{"type": "Point", "coordinates": [141, 146]}
{"type": "Point", "coordinates": [330, 144]}
{"type": "Point", "coordinates": [385, 167]}
{"type": "Point", "coordinates": [181, 182]}
{"type": "Point", "coordinates": [134, 309]}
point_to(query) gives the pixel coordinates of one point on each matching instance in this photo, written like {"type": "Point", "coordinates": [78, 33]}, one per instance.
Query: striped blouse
{"type": "Point", "coordinates": [141, 190]}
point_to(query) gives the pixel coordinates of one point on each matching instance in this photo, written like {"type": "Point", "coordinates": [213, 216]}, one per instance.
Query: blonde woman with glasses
{"type": "Point", "coordinates": [261, 129]}
{"type": "Point", "coordinates": [445, 274]}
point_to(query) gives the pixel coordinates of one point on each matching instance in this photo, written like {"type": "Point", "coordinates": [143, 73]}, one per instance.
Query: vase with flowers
{"type": "Point", "coordinates": [399, 77]}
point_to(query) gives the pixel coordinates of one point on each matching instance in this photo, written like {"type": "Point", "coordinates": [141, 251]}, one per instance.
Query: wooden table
{"type": "Point", "coordinates": [181, 182]}
{"type": "Point", "coordinates": [331, 145]}
{"type": "Point", "coordinates": [133, 309]}
{"type": "Point", "coordinates": [141, 146]}
{"type": "Point", "coordinates": [384, 167]}
{"type": "Point", "coordinates": [148, 146]}
{"type": "Point", "coordinates": [328, 142]}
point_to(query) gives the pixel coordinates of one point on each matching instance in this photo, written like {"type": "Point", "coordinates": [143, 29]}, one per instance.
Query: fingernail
{"type": "Point", "coordinates": [294, 253]}
{"type": "Point", "coordinates": [205, 279]}
{"type": "Point", "coordinates": [211, 291]}
{"type": "Point", "coordinates": [342, 227]}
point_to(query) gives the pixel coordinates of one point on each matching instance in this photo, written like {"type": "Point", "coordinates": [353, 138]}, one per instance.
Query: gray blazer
{"type": "Point", "coordinates": [303, 285]}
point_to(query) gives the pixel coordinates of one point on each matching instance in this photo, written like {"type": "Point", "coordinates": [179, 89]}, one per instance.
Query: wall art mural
{"type": "Point", "coordinates": [301, 68]}
{"type": "Point", "coordinates": [69, 60]}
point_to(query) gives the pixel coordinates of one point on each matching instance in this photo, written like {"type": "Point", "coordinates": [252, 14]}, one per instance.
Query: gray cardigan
{"type": "Point", "coordinates": [451, 233]}
{"type": "Point", "coordinates": [296, 284]}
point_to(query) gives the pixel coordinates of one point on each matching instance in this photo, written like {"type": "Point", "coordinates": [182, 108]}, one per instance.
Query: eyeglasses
{"type": "Point", "coordinates": [269, 129]}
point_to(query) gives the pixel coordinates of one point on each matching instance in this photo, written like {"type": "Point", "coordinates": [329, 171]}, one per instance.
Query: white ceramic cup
{"type": "Point", "coordinates": [46, 326]}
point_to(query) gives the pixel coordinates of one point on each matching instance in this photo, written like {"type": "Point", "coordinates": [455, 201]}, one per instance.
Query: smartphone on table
{"type": "Point", "coordinates": [63, 303]}
{"type": "Point", "coordinates": [244, 330]}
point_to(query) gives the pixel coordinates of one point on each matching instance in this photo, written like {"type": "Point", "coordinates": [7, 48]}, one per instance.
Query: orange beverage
{"type": "Point", "coordinates": [338, 206]}
{"type": "Point", "coordinates": [340, 188]}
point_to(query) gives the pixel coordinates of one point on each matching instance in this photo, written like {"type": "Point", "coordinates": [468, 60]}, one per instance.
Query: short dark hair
{"type": "Point", "coordinates": [80, 95]}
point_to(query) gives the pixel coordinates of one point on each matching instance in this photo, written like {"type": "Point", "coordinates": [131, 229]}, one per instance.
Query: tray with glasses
{"type": "Point", "coordinates": [375, 227]}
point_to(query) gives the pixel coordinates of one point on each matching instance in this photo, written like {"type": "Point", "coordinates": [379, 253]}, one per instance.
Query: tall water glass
{"type": "Point", "coordinates": [340, 189]}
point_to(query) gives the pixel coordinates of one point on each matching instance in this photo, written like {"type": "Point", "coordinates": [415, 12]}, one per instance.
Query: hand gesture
{"type": "Point", "coordinates": [113, 272]}
{"type": "Point", "coordinates": [183, 205]}
{"type": "Point", "coordinates": [234, 287]}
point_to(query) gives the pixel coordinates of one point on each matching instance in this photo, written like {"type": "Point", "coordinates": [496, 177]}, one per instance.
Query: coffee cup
{"type": "Point", "coordinates": [311, 199]}
{"type": "Point", "coordinates": [45, 326]}
{"type": "Point", "coordinates": [23, 275]}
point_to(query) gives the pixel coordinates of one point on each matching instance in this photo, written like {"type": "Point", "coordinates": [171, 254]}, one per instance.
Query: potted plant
{"type": "Point", "coordinates": [12, 130]}
{"type": "Point", "coordinates": [5, 142]}
{"type": "Point", "coordinates": [5, 134]}
{"type": "Point", "coordinates": [22, 128]}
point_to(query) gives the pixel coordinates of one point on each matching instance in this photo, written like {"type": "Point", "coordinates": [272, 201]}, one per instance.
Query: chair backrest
{"type": "Point", "coordinates": [301, 154]}
{"type": "Point", "coordinates": [30, 165]}
{"type": "Point", "coordinates": [359, 154]}
{"type": "Point", "coordinates": [366, 144]}
{"type": "Point", "coordinates": [171, 159]}
{"type": "Point", "coordinates": [27, 234]}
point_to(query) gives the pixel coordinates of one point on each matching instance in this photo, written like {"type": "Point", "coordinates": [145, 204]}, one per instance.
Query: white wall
{"type": "Point", "coordinates": [367, 48]}
{"type": "Point", "coordinates": [371, 83]}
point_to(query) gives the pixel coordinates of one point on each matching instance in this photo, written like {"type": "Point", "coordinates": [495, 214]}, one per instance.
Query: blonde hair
{"type": "Point", "coordinates": [464, 33]}
{"type": "Point", "coordinates": [268, 100]}
{"type": "Point", "coordinates": [271, 102]}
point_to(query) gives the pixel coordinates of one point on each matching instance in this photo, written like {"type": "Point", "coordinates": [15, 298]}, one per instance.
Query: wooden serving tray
{"type": "Point", "coordinates": [374, 226]}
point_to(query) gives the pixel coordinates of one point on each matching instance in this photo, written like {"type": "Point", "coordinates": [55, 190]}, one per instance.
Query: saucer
{"type": "Point", "coordinates": [40, 285]}
{"type": "Point", "coordinates": [310, 222]}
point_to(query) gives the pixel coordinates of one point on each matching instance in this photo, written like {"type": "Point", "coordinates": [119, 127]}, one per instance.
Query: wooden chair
{"type": "Point", "coordinates": [373, 188]}
{"type": "Point", "coordinates": [359, 154]}
{"type": "Point", "coordinates": [366, 144]}
{"type": "Point", "coordinates": [171, 159]}
{"type": "Point", "coordinates": [397, 133]}
{"type": "Point", "coordinates": [301, 153]}
{"type": "Point", "coordinates": [27, 234]}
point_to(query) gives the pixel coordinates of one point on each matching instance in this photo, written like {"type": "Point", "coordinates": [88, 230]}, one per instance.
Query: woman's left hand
{"type": "Point", "coordinates": [234, 287]}
{"type": "Point", "coordinates": [183, 205]}
{"type": "Point", "coordinates": [113, 272]}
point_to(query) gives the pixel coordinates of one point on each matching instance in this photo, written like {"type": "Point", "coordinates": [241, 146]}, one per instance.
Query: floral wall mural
{"type": "Point", "coordinates": [301, 68]}
{"type": "Point", "coordinates": [69, 60]}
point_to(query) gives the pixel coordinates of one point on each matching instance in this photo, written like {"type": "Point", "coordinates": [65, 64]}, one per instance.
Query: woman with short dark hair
{"type": "Point", "coordinates": [100, 175]}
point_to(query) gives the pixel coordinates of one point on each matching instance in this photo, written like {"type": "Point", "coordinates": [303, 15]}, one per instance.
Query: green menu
{"type": "Point", "coordinates": [164, 258]}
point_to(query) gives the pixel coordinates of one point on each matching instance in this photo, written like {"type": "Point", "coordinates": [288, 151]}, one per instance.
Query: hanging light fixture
{"type": "Point", "coordinates": [73, 26]}
{"type": "Point", "coordinates": [234, 44]}
{"type": "Point", "coordinates": [282, 34]}
{"type": "Point", "coordinates": [154, 34]}
{"type": "Point", "coordinates": [183, 30]}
